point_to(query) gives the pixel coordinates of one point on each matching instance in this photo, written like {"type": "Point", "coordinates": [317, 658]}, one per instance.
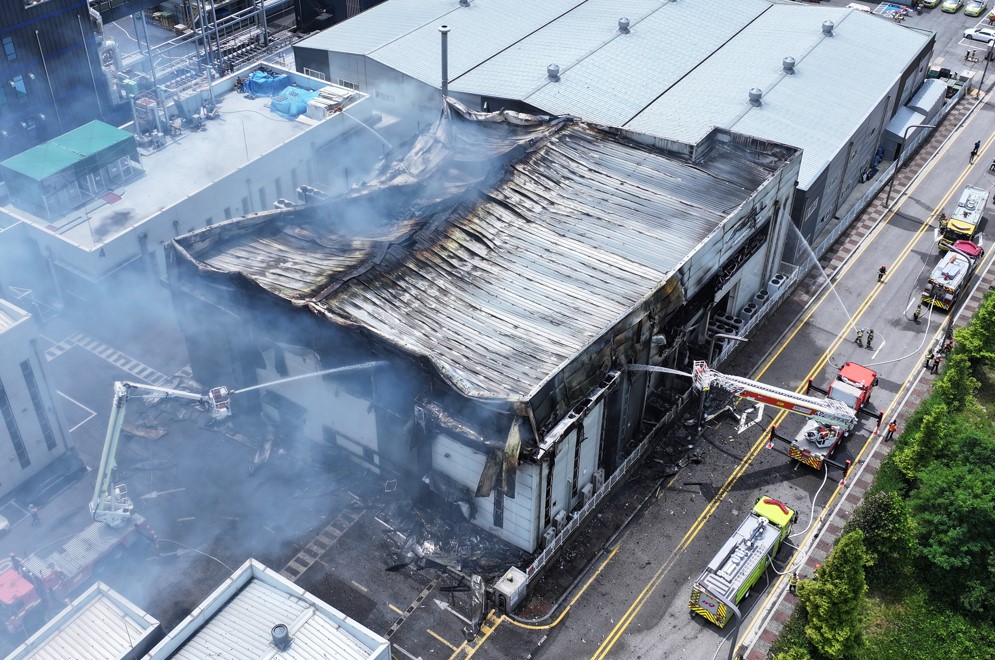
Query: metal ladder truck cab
{"type": "Point", "coordinates": [965, 221]}
{"type": "Point", "coordinates": [952, 274]}
{"type": "Point", "coordinates": [741, 561]}
{"type": "Point", "coordinates": [830, 419]}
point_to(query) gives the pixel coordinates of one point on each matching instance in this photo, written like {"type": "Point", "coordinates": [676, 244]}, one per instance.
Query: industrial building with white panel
{"type": "Point", "coordinates": [828, 80]}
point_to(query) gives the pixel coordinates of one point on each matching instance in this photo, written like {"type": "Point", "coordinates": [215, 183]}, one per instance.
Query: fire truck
{"type": "Point", "coordinates": [741, 561]}
{"type": "Point", "coordinates": [829, 421]}
{"type": "Point", "coordinates": [965, 221]}
{"type": "Point", "coordinates": [952, 274]}
{"type": "Point", "coordinates": [33, 586]}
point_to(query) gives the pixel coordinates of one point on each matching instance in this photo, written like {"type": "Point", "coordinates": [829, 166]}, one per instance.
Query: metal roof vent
{"type": "Point", "coordinates": [623, 25]}
{"type": "Point", "coordinates": [553, 72]}
{"type": "Point", "coordinates": [827, 28]}
{"type": "Point", "coordinates": [281, 637]}
{"type": "Point", "coordinates": [464, 3]}
{"type": "Point", "coordinates": [788, 63]}
{"type": "Point", "coordinates": [755, 95]}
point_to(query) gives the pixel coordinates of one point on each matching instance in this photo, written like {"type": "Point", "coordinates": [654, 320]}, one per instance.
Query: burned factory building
{"type": "Point", "coordinates": [492, 283]}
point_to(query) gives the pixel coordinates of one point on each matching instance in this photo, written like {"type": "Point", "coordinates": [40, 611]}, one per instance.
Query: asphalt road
{"type": "Point", "coordinates": [632, 602]}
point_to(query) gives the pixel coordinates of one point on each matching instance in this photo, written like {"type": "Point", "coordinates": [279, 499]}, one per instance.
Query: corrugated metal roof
{"type": "Point", "coordinates": [830, 88]}
{"type": "Point", "coordinates": [99, 625]}
{"type": "Point", "coordinates": [380, 25]}
{"type": "Point", "coordinates": [606, 76]}
{"type": "Point", "coordinates": [10, 315]}
{"type": "Point", "coordinates": [241, 630]}
{"type": "Point", "coordinates": [499, 289]}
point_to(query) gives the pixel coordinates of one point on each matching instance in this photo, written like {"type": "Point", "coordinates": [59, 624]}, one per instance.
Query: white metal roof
{"type": "Point", "coordinates": [235, 622]}
{"type": "Point", "coordinates": [99, 625]}
{"type": "Point", "coordinates": [10, 315]}
{"type": "Point", "coordinates": [606, 76]}
{"type": "Point", "coordinates": [678, 73]}
{"type": "Point", "coordinates": [838, 79]}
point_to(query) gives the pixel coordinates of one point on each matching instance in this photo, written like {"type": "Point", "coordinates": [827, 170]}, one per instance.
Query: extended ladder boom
{"type": "Point", "coordinates": [824, 411]}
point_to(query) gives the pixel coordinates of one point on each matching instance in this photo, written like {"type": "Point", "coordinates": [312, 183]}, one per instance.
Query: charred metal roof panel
{"type": "Point", "coordinates": [502, 284]}
{"type": "Point", "coordinates": [99, 625]}
{"type": "Point", "coordinates": [237, 620]}
{"type": "Point", "coordinates": [838, 81]}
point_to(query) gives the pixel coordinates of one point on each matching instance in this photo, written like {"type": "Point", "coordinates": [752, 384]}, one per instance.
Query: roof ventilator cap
{"type": "Point", "coordinates": [281, 637]}
{"type": "Point", "coordinates": [827, 28]}
{"type": "Point", "coordinates": [464, 3]}
{"type": "Point", "coordinates": [623, 25]}
{"type": "Point", "coordinates": [788, 63]}
{"type": "Point", "coordinates": [553, 72]}
{"type": "Point", "coordinates": [755, 95]}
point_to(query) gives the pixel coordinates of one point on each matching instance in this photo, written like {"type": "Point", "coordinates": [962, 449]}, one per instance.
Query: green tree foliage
{"type": "Point", "coordinates": [920, 446]}
{"type": "Point", "coordinates": [957, 386]}
{"type": "Point", "coordinates": [978, 339]}
{"type": "Point", "coordinates": [953, 511]}
{"type": "Point", "coordinates": [888, 536]}
{"type": "Point", "coordinates": [793, 653]}
{"type": "Point", "coordinates": [835, 598]}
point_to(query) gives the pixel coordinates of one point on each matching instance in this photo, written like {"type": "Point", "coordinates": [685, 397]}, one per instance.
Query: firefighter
{"type": "Point", "coordinates": [882, 271]}
{"type": "Point", "coordinates": [870, 338]}
{"type": "Point", "coordinates": [936, 364]}
{"type": "Point", "coordinates": [943, 222]}
{"type": "Point", "coordinates": [929, 359]}
{"type": "Point", "coordinates": [975, 150]}
{"type": "Point", "coordinates": [916, 314]}
{"type": "Point", "coordinates": [892, 427]}
{"type": "Point", "coordinates": [793, 583]}
{"type": "Point", "coordinates": [859, 340]}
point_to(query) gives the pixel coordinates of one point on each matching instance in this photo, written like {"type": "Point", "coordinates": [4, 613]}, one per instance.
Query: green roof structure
{"type": "Point", "coordinates": [68, 149]}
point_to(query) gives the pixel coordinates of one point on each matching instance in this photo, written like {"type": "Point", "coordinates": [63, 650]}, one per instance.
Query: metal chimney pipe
{"type": "Point", "coordinates": [444, 31]}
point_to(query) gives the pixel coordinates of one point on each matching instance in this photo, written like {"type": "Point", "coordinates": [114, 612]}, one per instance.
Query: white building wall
{"type": "Point", "coordinates": [19, 417]}
{"type": "Point", "coordinates": [464, 465]}
{"type": "Point", "coordinates": [328, 406]}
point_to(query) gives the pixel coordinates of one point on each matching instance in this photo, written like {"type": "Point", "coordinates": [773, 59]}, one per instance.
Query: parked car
{"type": "Point", "coordinates": [930, 3]}
{"type": "Point", "coordinates": [986, 34]}
{"type": "Point", "coordinates": [951, 6]}
{"type": "Point", "coordinates": [975, 7]}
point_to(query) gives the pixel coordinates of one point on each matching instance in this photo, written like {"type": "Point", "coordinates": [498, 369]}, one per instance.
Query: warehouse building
{"type": "Point", "coordinates": [825, 79]}
{"type": "Point", "coordinates": [507, 270]}
{"type": "Point", "coordinates": [87, 213]}
{"type": "Point", "coordinates": [257, 613]}
{"type": "Point", "coordinates": [33, 432]}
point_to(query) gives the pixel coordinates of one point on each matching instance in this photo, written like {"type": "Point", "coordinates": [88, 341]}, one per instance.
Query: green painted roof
{"type": "Point", "coordinates": [66, 150]}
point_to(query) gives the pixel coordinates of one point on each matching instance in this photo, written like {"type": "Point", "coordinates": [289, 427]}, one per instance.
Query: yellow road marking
{"type": "Point", "coordinates": [647, 591]}
{"type": "Point", "coordinates": [440, 638]}
{"type": "Point", "coordinates": [397, 610]}
{"type": "Point", "coordinates": [470, 650]}
{"type": "Point", "coordinates": [359, 586]}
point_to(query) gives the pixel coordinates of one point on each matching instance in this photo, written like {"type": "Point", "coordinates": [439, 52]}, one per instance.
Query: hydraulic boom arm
{"type": "Point", "coordinates": [824, 411]}
{"type": "Point", "coordinates": [110, 503]}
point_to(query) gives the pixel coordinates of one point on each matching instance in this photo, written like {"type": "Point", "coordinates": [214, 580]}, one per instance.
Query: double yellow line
{"type": "Point", "coordinates": [654, 582]}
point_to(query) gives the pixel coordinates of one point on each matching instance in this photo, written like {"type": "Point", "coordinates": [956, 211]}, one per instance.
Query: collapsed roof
{"type": "Point", "coordinates": [502, 246]}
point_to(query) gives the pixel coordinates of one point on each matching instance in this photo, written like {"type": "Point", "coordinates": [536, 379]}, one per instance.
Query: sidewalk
{"type": "Point", "coordinates": [864, 470]}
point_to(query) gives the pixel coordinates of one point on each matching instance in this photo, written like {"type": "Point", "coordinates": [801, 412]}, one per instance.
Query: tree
{"type": "Point", "coordinates": [919, 448]}
{"type": "Point", "coordinates": [953, 510]}
{"type": "Point", "coordinates": [957, 385]}
{"type": "Point", "coordinates": [835, 599]}
{"type": "Point", "coordinates": [978, 339]}
{"type": "Point", "coordinates": [888, 537]}
{"type": "Point", "coordinates": [794, 653]}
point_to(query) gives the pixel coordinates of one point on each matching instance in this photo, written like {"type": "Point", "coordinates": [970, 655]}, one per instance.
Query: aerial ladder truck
{"type": "Point", "coordinates": [829, 420]}
{"type": "Point", "coordinates": [31, 585]}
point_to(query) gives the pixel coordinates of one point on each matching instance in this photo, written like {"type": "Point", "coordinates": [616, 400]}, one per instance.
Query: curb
{"type": "Point", "coordinates": [830, 525]}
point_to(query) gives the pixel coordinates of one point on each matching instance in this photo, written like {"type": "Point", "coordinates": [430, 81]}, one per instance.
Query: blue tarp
{"type": "Point", "coordinates": [261, 83]}
{"type": "Point", "coordinates": [292, 101]}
